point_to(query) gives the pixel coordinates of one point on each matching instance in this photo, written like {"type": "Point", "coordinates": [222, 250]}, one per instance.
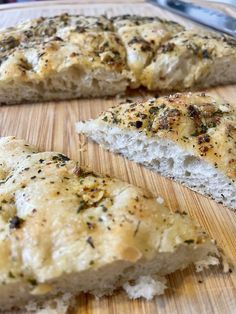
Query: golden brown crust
{"type": "Point", "coordinates": [74, 39]}
{"type": "Point", "coordinates": [196, 122]}
{"type": "Point", "coordinates": [38, 48]}
{"type": "Point", "coordinates": [137, 20]}
{"type": "Point", "coordinates": [142, 36]}
{"type": "Point", "coordinates": [188, 59]}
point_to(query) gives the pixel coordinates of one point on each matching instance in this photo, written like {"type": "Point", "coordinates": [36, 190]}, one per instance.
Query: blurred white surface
{"type": "Point", "coordinates": [231, 2]}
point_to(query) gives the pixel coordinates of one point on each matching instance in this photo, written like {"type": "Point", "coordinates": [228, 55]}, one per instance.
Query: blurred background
{"type": "Point", "coordinates": [13, 1]}
{"type": "Point", "coordinates": [230, 2]}
{"type": "Point", "coordinates": [195, 1]}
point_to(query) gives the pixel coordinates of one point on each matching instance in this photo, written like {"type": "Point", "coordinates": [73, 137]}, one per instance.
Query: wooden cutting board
{"type": "Point", "coordinates": [51, 127]}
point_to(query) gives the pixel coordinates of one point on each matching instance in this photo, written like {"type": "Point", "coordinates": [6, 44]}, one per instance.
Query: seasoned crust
{"type": "Point", "coordinates": [132, 20]}
{"type": "Point", "coordinates": [44, 28]}
{"type": "Point", "coordinates": [61, 29]}
{"type": "Point", "coordinates": [64, 40]}
{"type": "Point", "coordinates": [197, 122]}
{"type": "Point", "coordinates": [191, 59]}
{"type": "Point", "coordinates": [142, 36]}
{"type": "Point", "coordinates": [61, 225]}
{"type": "Point", "coordinates": [81, 36]}
{"type": "Point", "coordinates": [55, 56]}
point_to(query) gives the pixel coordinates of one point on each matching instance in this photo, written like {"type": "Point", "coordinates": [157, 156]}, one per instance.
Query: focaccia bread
{"type": "Point", "coordinates": [190, 138]}
{"type": "Point", "coordinates": [60, 58]}
{"type": "Point", "coordinates": [63, 229]}
{"type": "Point", "coordinates": [72, 56]}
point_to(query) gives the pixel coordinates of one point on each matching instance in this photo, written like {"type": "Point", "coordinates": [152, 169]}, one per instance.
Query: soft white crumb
{"type": "Point", "coordinates": [146, 287]}
{"type": "Point", "coordinates": [57, 305]}
{"type": "Point", "coordinates": [211, 260]}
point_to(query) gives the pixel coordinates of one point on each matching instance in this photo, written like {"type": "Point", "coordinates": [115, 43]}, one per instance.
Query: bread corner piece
{"type": "Point", "coordinates": [64, 229]}
{"type": "Point", "coordinates": [61, 57]}
{"type": "Point", "coordinates": [187, 137]}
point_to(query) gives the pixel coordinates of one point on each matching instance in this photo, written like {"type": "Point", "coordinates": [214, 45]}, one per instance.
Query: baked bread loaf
{"type": "Point", "coordinates": [190, 138]}
{"type": "Point", "coordinates": [64, 229]}
{"type": "Point", "coordinates": [61, 57]}
{"type": "Point", "coordinates": [71, 56]}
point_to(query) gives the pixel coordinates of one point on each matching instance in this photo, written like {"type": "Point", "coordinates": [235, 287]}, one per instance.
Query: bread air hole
{"type": "Point", "coordinates": [170, 163]}
{"type": "Point", "coordinates": [156, 163]}
{"type": "Point", "coordinates": [189, 161]}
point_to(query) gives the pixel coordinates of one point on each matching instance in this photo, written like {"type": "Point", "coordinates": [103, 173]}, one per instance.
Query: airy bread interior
{"type": "Point", "coordinates": [76, 82]}
{"type": "Point", "coordinates": [137, 279]}
{"type": "Point", "coordinates": [164, 157]}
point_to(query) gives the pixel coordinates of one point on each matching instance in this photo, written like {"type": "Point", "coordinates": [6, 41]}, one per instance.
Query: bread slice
{"type": "Point", "coordinates": [59, 58]}
{"type": "Point", "coordinates": [75, 56]}
{"type": "Point", "coordinates": [190, 138]}
{"type": "Point", "coordinates": [63, 229]}
{"type": "Point", "coordinates": [192, 59]}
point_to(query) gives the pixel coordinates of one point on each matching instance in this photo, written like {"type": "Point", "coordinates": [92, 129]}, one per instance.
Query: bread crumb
{"type": "Point", "coordinates": [206, 263]}
{"type": "Point", "coordinates": [146, 287]}
{"type": "Point", "coordinates": [58, 305]}
{"type": "Point", "coordinates": [160, 200]}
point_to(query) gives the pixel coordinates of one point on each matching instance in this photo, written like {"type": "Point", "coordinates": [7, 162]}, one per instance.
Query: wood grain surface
{"type": "Point", "coordinates": [51, 127]}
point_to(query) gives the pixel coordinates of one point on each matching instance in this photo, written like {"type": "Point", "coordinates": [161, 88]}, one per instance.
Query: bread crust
{"type": "Point", "coordinates": [191, 59]}
{"type": "Point", "coordinates": [142, 36]}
